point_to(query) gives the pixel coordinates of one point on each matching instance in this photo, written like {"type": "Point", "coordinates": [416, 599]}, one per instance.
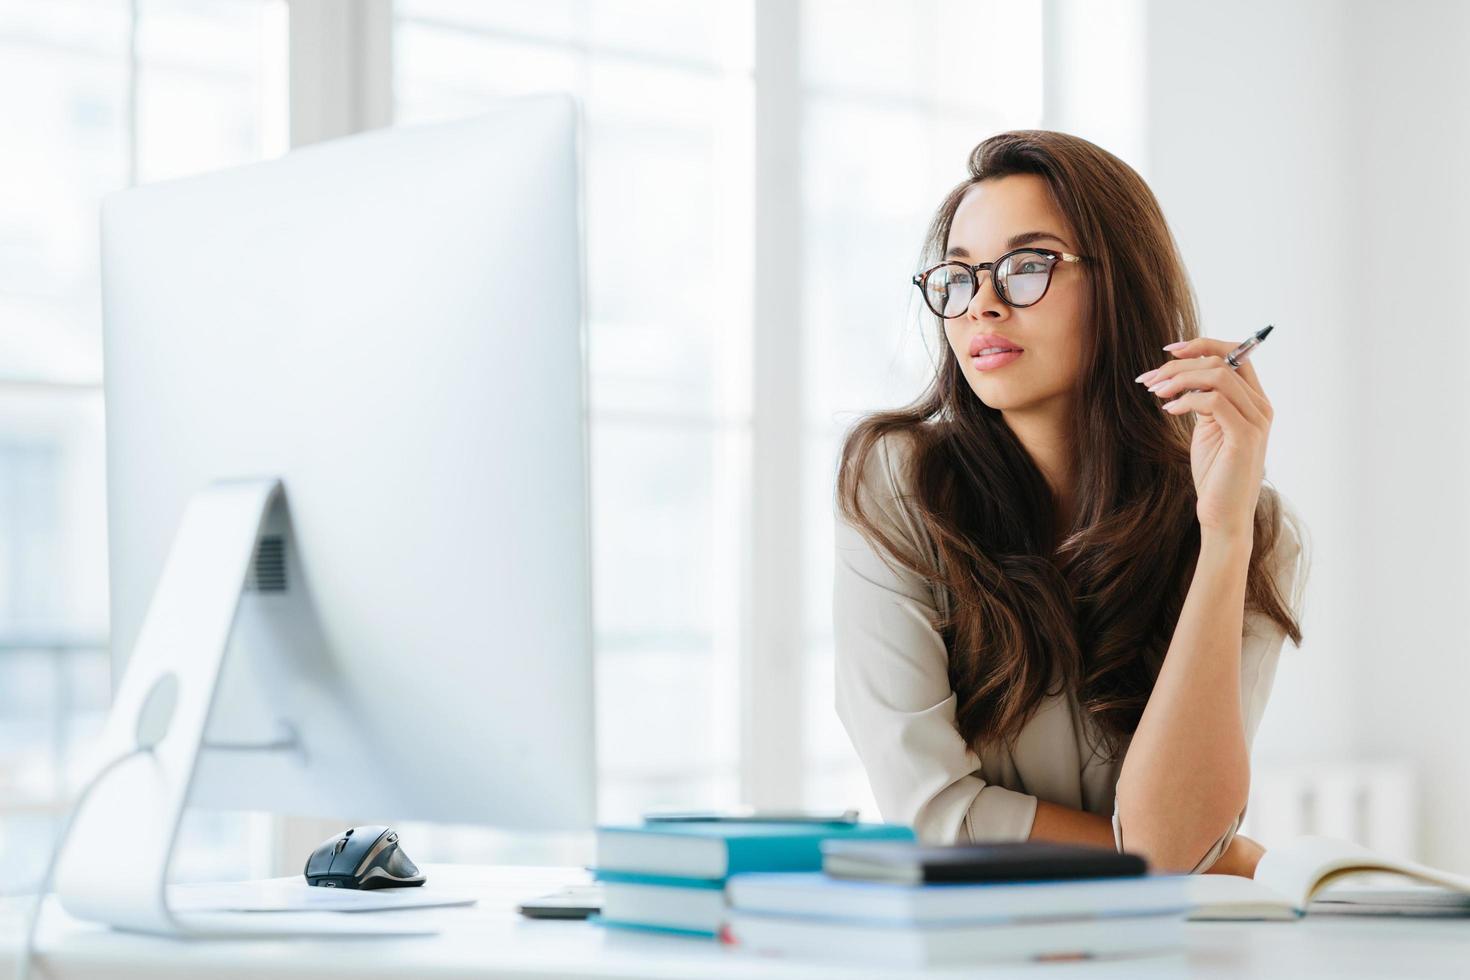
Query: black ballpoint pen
{"type": "Point", "coordinates": [1246, 346]}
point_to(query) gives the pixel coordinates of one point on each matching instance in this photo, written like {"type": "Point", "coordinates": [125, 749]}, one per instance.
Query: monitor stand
{"type": "Point", "coordinates": [115, 856]}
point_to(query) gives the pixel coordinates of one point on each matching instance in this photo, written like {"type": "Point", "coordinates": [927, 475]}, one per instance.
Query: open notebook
{"type": "Point", "coordinates": [1319, 875]}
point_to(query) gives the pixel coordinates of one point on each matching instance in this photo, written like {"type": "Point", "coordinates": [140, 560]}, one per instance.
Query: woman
{"type": "Point", "coordinates": [1061, 588]}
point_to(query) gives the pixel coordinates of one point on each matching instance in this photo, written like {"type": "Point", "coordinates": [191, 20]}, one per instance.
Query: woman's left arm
{"type": "Point", "coordinates": [1186, 776]}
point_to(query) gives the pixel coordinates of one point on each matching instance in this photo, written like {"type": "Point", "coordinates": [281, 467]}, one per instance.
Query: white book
{"type": "Point", "coordinates": [883, 944]}
{"type": "Point", "coordinates": [1310, 875]}
{"type": "Point", "coordinates": [672, 907]}
{"type": "Point", "coordinates": [817, 894]}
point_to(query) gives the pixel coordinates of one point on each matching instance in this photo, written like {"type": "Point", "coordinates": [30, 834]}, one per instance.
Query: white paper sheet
{"type": "Point", "coordinates": [295, 895]}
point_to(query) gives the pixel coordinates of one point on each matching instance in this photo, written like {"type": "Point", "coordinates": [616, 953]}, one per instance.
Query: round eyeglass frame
{"type": "Point", "coordinates": [922, 278]}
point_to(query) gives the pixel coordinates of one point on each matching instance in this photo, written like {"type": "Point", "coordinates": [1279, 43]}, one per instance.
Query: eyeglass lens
{"type": "Point", "coordinates": [1021, 280]}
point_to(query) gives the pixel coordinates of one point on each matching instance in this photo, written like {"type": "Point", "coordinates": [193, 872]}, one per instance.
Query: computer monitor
{"type": "Point", "coordinates": [392, 325]}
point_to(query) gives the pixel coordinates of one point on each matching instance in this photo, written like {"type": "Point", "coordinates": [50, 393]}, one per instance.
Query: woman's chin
{"type": "Point", "coordinates": [998, 394]}
{"type": "Point", "coordinates": [1004, 397]}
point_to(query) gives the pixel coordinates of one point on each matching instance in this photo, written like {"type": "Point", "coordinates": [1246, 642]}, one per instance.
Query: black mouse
{"type": "Point", "coordinates": [363, 857]}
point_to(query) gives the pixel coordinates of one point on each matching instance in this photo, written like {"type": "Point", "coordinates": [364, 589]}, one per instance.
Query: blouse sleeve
{"type": "Point", "coordinates": [1260, 650]}
{"type": "Point", "coordinates": [892, 682]}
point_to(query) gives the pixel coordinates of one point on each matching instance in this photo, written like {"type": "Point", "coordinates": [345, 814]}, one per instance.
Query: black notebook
{"type": "Point", "coordinates": [913, 863]}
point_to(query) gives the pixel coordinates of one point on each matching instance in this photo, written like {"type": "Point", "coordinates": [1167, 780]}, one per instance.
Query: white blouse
{"type": "Point", "coordinates": [893, 694]}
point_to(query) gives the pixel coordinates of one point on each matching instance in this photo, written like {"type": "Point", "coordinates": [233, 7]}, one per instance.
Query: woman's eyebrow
{"type": "Point", "coordinates": [1015, 241]}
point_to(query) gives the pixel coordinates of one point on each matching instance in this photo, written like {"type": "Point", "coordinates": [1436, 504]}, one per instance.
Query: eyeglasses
{"type": "Point", "coordinates": [1021, 278]}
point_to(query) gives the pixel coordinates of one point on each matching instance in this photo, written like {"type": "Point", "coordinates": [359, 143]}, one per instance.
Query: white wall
{"type": "Point", "coordinates": [1248, 139]}
{"type": "Point", "coordinates": [1409, 91]}
{"type": "Point", "coordinates": [1095, 66]}
{"type": "Point", "coordinates": [1292, 144]}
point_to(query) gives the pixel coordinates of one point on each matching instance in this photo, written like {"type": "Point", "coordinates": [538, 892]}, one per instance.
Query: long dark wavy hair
{"type": "Point", "coordinates": [1036, 608]}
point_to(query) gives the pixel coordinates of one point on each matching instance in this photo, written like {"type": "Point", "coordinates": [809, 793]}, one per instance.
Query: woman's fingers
{"type": "Point", "coordinates": [1253, 405]}
{"type": "Point", "coordinates": [1219, 409]}
{"type": "Point", "coordinates": [1207, 347]}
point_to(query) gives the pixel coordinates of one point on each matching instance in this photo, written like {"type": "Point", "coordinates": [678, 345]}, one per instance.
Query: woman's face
{"type": "Point", "coordinates": [1049, 332]}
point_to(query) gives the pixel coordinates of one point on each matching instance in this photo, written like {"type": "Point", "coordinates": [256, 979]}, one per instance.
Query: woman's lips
{"type": "Point", "coordinates": [989, 362]}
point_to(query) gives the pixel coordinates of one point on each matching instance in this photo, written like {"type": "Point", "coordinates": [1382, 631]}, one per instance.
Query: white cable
{"type": "Point", "coordinates": [23, 965]}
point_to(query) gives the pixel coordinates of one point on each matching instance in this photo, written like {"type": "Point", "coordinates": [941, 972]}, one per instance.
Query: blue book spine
{"type": "Point", "coordinates": [597, 919]}
{"type": "Point", "coordinates": [799, 852]}
{"type": "Point", "coordinates": [669, 881]}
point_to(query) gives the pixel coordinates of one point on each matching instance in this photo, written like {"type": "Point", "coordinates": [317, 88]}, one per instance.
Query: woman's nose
{"type": "Point", "coordinates": [986, 301]}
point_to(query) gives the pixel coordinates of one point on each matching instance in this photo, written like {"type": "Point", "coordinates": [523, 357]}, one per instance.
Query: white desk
{"type": "Point", "coordinates": [491, 939]}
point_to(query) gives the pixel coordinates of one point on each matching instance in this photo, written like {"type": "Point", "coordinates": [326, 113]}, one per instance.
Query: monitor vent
{"type": "Point", "coordinates": [268, 569]}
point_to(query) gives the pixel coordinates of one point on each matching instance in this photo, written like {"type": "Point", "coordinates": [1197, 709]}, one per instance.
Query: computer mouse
{"type": "Point", "coordinates": [362, 857]}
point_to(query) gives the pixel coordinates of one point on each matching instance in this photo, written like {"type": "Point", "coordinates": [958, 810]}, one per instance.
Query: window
{"type": "Point", "coordinates": [667, 91]}
{"type": "Point", "coordinates": [889, 107]}
{"type": "Point", "coordinates": [894, 98]}
{"type": "Point", "coordinates": [101, 94]}
{"type": "Point", "coordinates": [877, 103]}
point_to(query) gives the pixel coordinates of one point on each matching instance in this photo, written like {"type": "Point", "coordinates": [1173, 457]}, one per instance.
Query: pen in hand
{"type": "Point", "coordinates": [1245, 347]}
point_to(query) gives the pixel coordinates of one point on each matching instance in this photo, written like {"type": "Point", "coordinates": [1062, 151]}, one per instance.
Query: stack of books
{"type": "Point", "coordinates": [671, 876]}
{"type": "Point", "coordinates": [915, 906]}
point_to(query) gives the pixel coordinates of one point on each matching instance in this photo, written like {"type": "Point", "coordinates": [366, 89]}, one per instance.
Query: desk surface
{"type": "Point", "coordinates": [490, 939]}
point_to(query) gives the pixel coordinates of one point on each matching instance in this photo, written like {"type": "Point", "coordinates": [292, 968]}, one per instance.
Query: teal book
{"type": "Point", "coordinates": [662, 881]}
{"type": "Point", "coordinates": [717, 849]}
{"type": "Point", "coordinates": [630, 898]}
{"type": "Point", "coordinates": [602, 920]}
